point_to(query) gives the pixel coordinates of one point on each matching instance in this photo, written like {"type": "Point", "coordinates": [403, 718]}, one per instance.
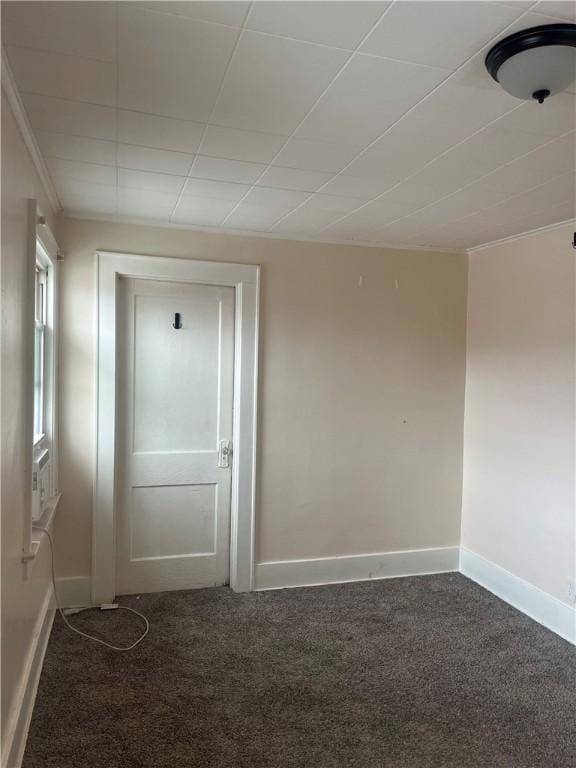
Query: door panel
{"type": "Point", "coordinates": [175, 408]}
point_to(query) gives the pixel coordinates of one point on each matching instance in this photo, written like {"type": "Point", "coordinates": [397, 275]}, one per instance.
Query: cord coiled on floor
{"type": "Point", "coordinates": [79, 631]}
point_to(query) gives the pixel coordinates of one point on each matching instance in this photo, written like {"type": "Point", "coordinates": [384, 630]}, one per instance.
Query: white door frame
{"type": "Point", "coordinates": [244, 278]}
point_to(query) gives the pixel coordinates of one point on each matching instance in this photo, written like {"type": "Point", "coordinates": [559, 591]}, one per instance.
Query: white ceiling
{"type": "Point", "coordinates": [360, 121]}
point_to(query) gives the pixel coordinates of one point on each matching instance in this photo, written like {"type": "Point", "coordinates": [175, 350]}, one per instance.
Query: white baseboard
{"type": "Point", "coordinates": [534, 602]}
{"type": "Point", "coordinates": [74, 591]}
{"type": "Point", "coordinates": [331, 570]}
{"type": "Point", "coordinates": [20, 715]}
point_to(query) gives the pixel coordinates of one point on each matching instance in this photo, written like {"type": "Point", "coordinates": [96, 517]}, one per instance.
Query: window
{"type": "Point", "coordinates": [41, 291]}
{"type": "Point", "coordinates": [45, 456]}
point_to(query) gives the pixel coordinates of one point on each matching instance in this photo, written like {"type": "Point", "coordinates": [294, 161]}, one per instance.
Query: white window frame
{"type": "Point", "coordinates": [244, 278]}
{"type": "Point", "coordinates": [47, 261]}
{"type": "Point", "coordinates": [43, 252]}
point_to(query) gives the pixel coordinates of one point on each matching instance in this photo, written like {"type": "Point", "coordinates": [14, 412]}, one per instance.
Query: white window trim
{"type": "Point", "coordinates": [244, 279]}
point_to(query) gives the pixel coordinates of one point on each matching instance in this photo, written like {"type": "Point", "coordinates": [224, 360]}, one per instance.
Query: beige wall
{"type": "Point", "coordinates": [361, 390]}
{"type": "Point", "coordinates": [22, 597]}
{"type": "Point", "coordinates": [518, 502]}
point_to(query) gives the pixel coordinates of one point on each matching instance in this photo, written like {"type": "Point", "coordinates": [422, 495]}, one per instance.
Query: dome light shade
{"type": "Point", "coordinates": [535, 63]}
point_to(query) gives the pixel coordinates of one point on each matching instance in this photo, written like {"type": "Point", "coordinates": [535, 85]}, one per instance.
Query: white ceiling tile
{"type": "Point", "coordinates": [263, 207]}
{"type": "Point", "coordinates": [561, 8]}
{"type": "Point", "coordinates": [548, 161]}
{"type": "Point", "coordinates": [521, 4]}
{"type": "Point", "coordinates": [305, 221]}
{"type": "Point", "coordinates": [220, 12]}
{"type": "Point", "coordinates": [89, 172]}
{"type": "Point", "coordinates": [357, 187]}
{"type": "Point", "coordinates": [333, 203]}
{"type": "Point", "coordinates": [159, 132]}
{"type": "Point", "coordinates": [293, 178]}
{"type": "Point", "coordinates": [557, 116]}
{"type": "Point", "coordinates": [341, 24]}
{"type": "Point", "coordinates": [170, 65]}
{"type": "Point", "coordinates": [156, 160]}
{"type": "Point", "coordinates": [145, 203]}
{"type": "Point", "coordinates": [546, 195]}
{"type": "Point", "coordinates": [405, 148]}
{"type": "Point", "coordinates": [466, 103]}
{"type": "Point", "coordinates": [369, 96]}
{"type": "Point", "coordinates": [81, 197]}
{"type": "Point", "coordinates": [316, 214]}
{"type": "Point", "coordinates": [155, 182]}
{"type": "Point", "coordinates": [234, 144]}
{"type": "Point", "coordinates": [202, 211]}
{"type": "Point", "coordinates": [226, 170]}
{"type": "Point", "coordinates": [220, 190]}
{"type": "Point", "coordinates": [494, 146]}
{"type": "Point", "coordinates": [273, 82]}
{"type": "Point", "coordinates": [76, 148]}
{"type": "Point", "coordinates": [441, 34]}
{"type": "Point", "coordinates": [447, 174]}
{"type": "Point", "coordinates": [328, 157]}
{"type": "Point", "coordinates": [346, 230]}
{"type": "Point", "coordinates": [283, 199]}
{"type": "Point", "coordinates": [47, 113]}
{"type": "Point", "coordinates": [74, 28]}
{"type": "Point", "coordinates": [67, 77]}
{"type": "Point", "coordinates": [255, 217]}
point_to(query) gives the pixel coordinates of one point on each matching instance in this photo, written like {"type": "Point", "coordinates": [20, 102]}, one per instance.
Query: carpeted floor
{"type": "Point", "coordinates": [424, 672]}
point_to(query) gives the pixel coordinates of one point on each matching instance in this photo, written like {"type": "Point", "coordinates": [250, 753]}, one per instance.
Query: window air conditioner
{"type": "Point", "coordinates": [41, 477]}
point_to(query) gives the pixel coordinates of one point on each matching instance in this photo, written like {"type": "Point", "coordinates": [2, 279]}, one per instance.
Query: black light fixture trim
{"type": "Point", "coordinates": [535, 37]}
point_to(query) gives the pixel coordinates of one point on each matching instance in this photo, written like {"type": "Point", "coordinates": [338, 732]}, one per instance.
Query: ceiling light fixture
{"type": "Point", "coordinates": [535, 63]}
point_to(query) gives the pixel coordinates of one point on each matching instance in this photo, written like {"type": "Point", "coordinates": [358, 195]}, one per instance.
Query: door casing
{"type": "Point", "coordinates": [245, 279]}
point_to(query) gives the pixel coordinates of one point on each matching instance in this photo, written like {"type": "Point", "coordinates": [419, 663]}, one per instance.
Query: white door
{"type": "Point", "coordinates": [174, 435]}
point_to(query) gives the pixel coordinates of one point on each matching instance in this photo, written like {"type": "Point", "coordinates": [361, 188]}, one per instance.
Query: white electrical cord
{"type": "Point", "coordinates": [78, 631]}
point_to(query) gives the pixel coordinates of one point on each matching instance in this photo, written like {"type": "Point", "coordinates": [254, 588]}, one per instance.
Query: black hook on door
{"type": "Point", "coordinates": [177, 324]}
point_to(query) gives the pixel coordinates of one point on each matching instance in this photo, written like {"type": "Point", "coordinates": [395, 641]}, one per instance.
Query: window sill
{"type": "Point", "coordinates": [45, 521]}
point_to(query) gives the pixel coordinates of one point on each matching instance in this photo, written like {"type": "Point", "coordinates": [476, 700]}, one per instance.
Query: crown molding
{"type": "Point", "coordinates": [521, 235]}
{"type": "Point", "coordinates": [255, 234]}
{"type": "Point", "coordinates": [14, 99]}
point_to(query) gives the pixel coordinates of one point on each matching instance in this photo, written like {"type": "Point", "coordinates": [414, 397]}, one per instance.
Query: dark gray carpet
{"type": "Point", "coordinates": [424, 672]}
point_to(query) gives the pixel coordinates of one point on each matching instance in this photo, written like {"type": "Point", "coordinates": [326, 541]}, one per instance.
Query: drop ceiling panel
{"type": "Point", "coordinates": [153, 182]}
{"type": "Point", "coordinates": [234, 144]}
{"type": "Point", "coordinates": [88, 172]}
{"type": "Point", "coordinates": [361, 121]}
{"type": "Point", "coordinates": [47, 113]}
{"type": "Point", "coordinates": [440, 34]}
{"type": "Point", "coordinates": [368, 97]}
{"type": "Point", "coordinates": [325, 156]}
{"type": "Point", "coordinates": [565, 11]}
{"type": "Point", "coordinates": [202, 211]}
{"type": "Point", "coordinates": [159, 132]}
{"type": "Point", "coordinates": [273, 82]}
{"type": "Point", "coordinates": [292, 178]}
{"type": "Point", "coordinates": [78, 148]}
{"type": "Point", "coordinates": [145, 203]}
{"type": "Point", "coordinates": [219, 190]}
{"type": "Point", "coordinates": [69, 77]}
{"type": "Point", "coordinates": [156, 160]}
{"type": "Point", "coordinates": [349, 22]}
{"type": "Point", "coordinates": [232, 13]}
{"type": "Point", "coordinates": [170, 65]}
{"type": "Point", "coordinates": [82, 197]}
{"type": "Point", "coordinates": [74, 28]}
{"type": "Point", "coordinates": [221, 169]}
